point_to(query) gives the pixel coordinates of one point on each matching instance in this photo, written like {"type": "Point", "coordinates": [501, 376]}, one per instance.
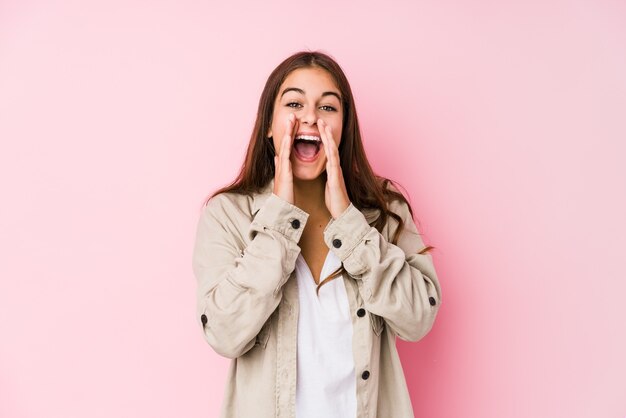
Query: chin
{"type": "Point", "coordinates": [306, 174]}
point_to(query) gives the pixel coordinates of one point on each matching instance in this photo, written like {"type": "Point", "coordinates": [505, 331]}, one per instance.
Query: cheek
{"type": "Point", "coordinates": [337, 129]}
{"type": "Point", "coordinates": [279, 118]}
{"type": "Point", "coordinates": [276, 142]}
{"type": "Point", "coordinates": [337, 137]}
{"type": "Point", "coordinates": [275, 130]}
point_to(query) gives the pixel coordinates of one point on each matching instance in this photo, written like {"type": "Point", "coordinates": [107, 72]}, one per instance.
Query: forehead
{"type": "Point", "coordinates": [311, 80]}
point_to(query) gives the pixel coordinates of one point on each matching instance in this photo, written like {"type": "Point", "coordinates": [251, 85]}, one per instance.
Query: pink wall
{"type": "Point", "coordinates": [504, 120]}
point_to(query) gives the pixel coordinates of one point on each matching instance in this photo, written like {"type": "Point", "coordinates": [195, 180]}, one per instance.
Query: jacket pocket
{"type": "Point", "coordinates": [378, 323]}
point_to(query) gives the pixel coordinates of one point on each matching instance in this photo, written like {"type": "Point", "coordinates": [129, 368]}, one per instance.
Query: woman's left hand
{"type": "Point", "coordinates": [336, 195]}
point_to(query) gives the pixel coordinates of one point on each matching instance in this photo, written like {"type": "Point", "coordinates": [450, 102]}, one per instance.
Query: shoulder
{"type": "Point", "coordinates": [228, 205]}
{"type": "Point", "coordinates": [226, 199]}
{"type": "Point", "coordinates": [247, 200]}
{"type": "Point", "coordinates": [398, 203]}
{"type": "Point", "coordinates": [396, 199]}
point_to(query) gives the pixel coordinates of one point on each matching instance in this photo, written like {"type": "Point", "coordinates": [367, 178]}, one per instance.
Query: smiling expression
{"type": "Point", "coordinates": [310, 94]}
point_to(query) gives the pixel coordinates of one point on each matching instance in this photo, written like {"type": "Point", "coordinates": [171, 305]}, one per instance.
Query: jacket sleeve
{"type": "Point", "coordinates": [239, 288]}
{"type": "Point", "coordinates": [395, 282]}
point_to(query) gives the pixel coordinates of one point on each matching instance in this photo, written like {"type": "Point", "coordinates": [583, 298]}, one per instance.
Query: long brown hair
{"type": "Point", "coordinates": [365, 189]}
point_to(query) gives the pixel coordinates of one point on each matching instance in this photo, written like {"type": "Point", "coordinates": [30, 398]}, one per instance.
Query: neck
{"type": "Point", "coordinates": [309, 195]}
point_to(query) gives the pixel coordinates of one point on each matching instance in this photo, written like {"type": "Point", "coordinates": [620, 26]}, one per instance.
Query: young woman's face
{"type": "Point", "coordinates": [310, 94]}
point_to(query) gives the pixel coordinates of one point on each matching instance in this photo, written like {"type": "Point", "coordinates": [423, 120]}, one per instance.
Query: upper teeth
{"type": "Point", "coordinates": [309, 137]}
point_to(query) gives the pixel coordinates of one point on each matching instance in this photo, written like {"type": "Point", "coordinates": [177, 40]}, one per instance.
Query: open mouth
{"type": "Point", "coordinates": [307, 147]}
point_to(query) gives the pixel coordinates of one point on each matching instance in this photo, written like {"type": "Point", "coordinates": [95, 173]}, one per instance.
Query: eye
{"type": "Point", "coordinates": [328, 108]}
{"type": "Point", "coordinates": [293, 104]}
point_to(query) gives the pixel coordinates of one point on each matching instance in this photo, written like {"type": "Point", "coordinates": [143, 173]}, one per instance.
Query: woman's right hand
{"type": "Point", "coordinates": [283, 177]}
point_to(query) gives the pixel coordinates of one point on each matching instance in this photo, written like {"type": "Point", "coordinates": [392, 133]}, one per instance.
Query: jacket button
{"type": "Point", "coordinates": [432, 301]}
{"type": "Point", "coordinates": [336, 243]}
{"type": "Point", "coordinates": [203, 319]}
{"type": "Point", "coordinates": [360, 313]}
{"type": "Point", "coordinates": [295, 224]}
{"type": "Point", "coordinates": [365, 375]}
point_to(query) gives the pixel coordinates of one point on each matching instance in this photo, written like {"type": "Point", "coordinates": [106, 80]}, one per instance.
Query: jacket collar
{"type": "Point", "coordinates": [258, 199]}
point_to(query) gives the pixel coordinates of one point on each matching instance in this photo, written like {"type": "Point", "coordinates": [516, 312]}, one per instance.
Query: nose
{"type": "Point", "coordinates": [309, 116]}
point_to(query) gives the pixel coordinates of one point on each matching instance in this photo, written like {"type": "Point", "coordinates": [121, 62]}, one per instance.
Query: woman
{"type": "Point", "coordinates": [309, 265]}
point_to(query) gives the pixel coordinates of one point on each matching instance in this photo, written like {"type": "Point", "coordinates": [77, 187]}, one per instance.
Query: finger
{"type": "Point", "coordinates": [333, 148]}
{"type": "Point", "coordinates": [320, 125]}
{"type": "Point", "coordinates": [292, 136]}
{"type": "Point", "coordinates": [296, 126]}
{"type": "Point", "coordinates": [285, 147]}
{"type": "Point", "coordinates": [332, 156]}
{"type": "Point", "coordinates": [331, 169]}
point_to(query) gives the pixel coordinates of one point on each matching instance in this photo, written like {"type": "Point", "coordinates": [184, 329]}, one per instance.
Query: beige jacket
{"type": "Point", "coordinates": [244, 260]}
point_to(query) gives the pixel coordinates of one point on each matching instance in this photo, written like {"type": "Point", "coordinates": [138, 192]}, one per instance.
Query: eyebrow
{"type": "Point", "coordinates": [297, 90]}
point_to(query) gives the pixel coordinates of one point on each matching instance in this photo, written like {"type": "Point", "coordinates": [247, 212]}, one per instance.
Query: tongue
{"type": "Point", "coordinates": [306, 149]}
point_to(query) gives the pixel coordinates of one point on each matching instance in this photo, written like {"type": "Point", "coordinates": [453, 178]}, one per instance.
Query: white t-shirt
{"type": "Point", "coordinates": [326, 382]}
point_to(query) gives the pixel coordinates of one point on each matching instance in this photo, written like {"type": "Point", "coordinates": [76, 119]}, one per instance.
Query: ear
{"type": "Point", "coordinates": [269, 132]}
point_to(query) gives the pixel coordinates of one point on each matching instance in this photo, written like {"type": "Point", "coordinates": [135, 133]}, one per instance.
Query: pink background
{"type": "Point", "coordinates": [505, 121]}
